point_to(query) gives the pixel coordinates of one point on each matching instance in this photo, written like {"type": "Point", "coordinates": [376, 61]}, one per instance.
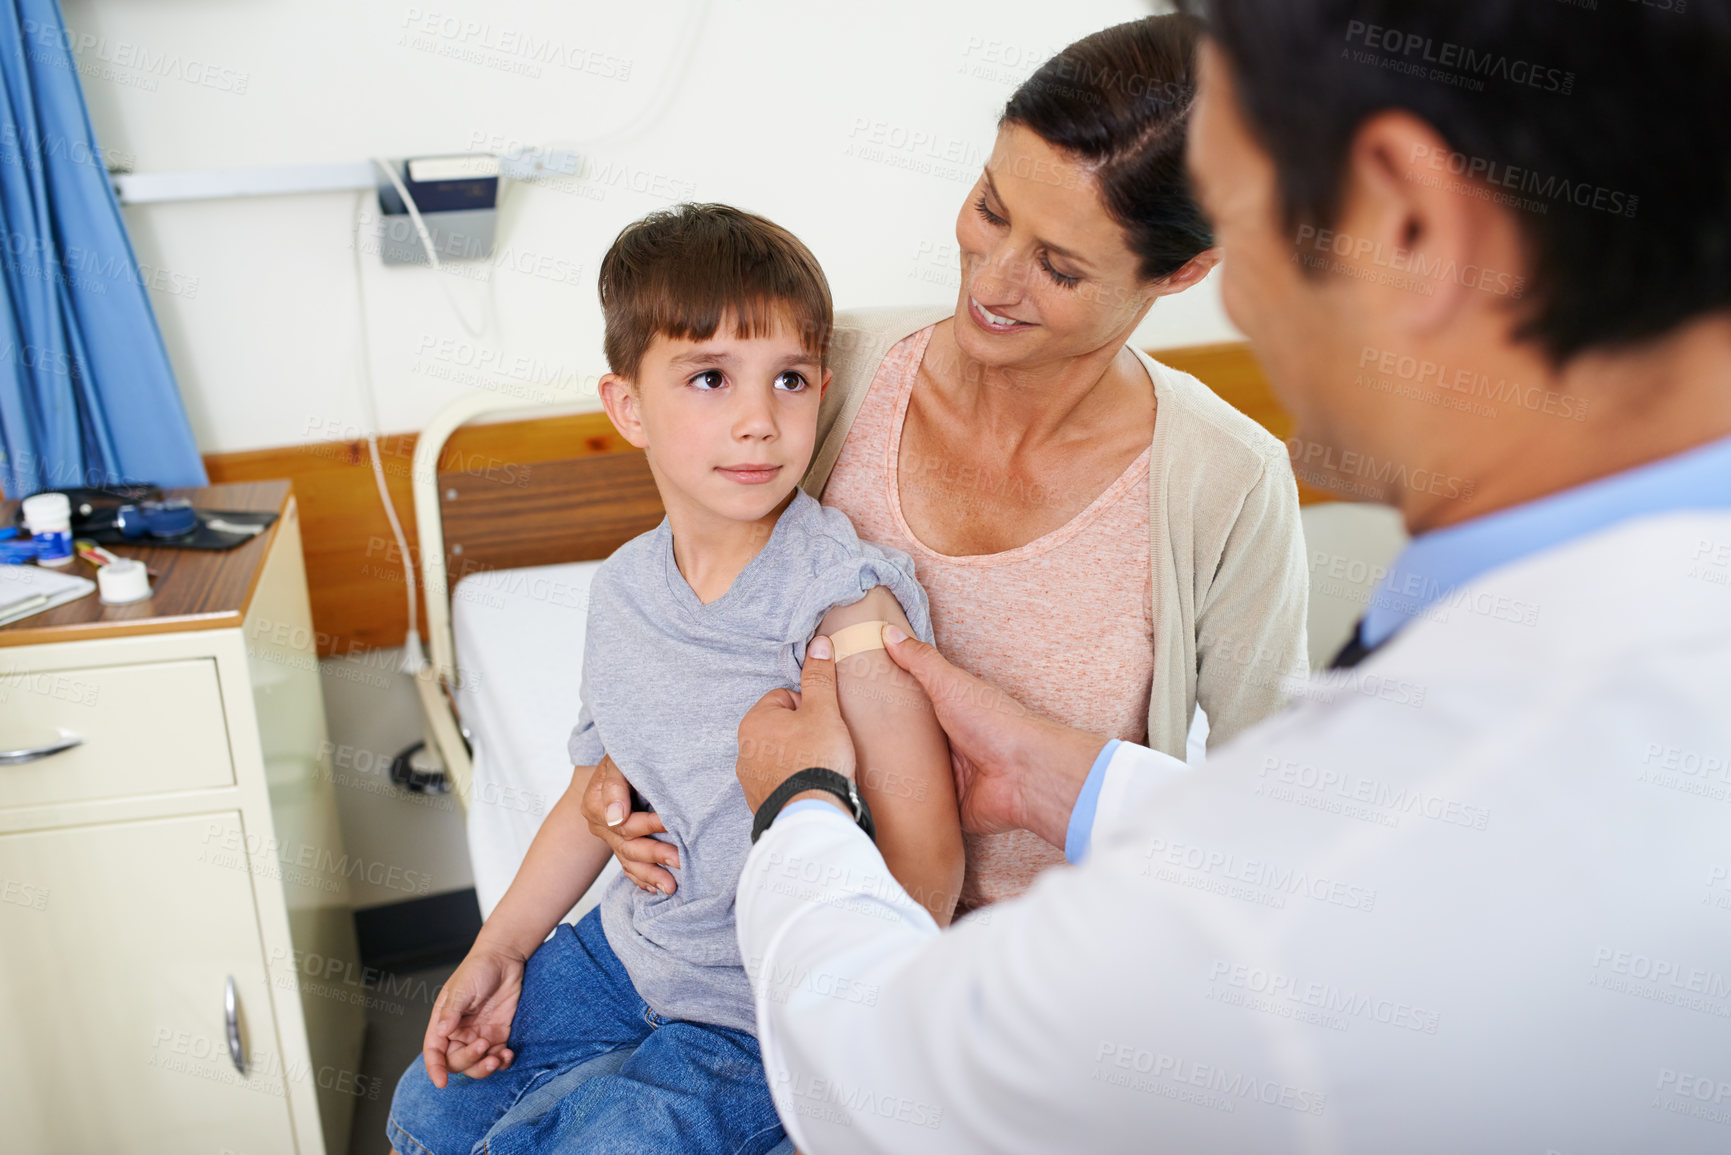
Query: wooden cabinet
{"type": "Point", "coordinates": [177, 961]}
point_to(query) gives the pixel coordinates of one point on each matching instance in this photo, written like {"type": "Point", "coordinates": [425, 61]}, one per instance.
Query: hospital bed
{"type": "Point", "coordinates": [505, 578]}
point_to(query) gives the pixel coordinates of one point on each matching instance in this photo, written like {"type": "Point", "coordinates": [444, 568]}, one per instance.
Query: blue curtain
{"type": "Point", "coordinates": [87, 396]}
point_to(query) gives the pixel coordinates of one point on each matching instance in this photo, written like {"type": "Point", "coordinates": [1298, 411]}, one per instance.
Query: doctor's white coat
{"type": "Point", "coordinates": [1473, 895]}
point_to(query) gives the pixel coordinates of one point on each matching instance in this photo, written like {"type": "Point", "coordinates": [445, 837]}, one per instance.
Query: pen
{"type": "Point", "coordinates": [97, 556]}
{"type": "Point", "coordinates": [24, 608]}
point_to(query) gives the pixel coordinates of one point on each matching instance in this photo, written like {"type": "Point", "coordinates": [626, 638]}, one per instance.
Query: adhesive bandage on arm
{"type": "Point", "coordinates": [858, 638]}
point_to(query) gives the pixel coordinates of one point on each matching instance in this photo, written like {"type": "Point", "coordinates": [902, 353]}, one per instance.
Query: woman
{"type": "Point", "coordinates": [1070, 504]}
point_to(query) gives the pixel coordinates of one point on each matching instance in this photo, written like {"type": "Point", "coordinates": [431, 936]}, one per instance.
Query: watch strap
{"type": "Point", "coordinates": [814, 778]}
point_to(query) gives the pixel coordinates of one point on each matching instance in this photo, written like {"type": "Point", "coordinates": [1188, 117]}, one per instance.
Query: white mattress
{"type": "Point", "coordinates": [519, 641]}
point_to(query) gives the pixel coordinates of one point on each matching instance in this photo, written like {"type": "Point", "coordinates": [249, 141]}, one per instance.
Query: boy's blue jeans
{"type": "Point", "coordinates": [595, 1071]}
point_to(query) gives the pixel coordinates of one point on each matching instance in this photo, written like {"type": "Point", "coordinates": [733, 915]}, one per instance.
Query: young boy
{"type": "Point", "coordinates": [718, 327]}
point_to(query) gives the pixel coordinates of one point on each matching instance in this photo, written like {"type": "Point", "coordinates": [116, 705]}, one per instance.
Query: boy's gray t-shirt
{"type": "Point", "coordinates": [666, 680]}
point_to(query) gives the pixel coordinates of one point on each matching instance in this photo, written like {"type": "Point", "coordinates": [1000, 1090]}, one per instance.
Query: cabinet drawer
{"type": "Point", "coordinates": [146, 729]}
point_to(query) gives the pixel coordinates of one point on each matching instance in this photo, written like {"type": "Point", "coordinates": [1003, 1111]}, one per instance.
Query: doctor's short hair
{"type": "Point", "coordinates": [1602, 126]}
{"type": "Point", "coordinates": [679, 272]}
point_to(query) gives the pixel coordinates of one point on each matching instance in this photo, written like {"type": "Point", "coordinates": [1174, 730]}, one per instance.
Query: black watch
{"type": "Point", "coordinates": [814, 778]}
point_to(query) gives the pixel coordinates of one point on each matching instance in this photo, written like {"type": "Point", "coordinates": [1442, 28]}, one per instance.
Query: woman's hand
{"type": "Point", "coordinates": [471, 1020]}
{"type": "Point", "coordinates": [607, 809]}
{"type": "Point", "coordinates": [1015, 769]}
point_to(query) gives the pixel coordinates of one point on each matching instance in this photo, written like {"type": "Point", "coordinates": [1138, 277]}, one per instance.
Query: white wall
{"type": "Point", "coordinates": [769, 104]}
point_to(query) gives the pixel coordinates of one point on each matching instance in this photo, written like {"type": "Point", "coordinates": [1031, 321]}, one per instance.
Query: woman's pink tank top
{"type": "Point", "coordinates": [1063, 623]}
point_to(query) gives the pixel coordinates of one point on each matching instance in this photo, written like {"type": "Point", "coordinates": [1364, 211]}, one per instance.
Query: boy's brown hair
{"type": "Point", "coordinates": [677, 272]}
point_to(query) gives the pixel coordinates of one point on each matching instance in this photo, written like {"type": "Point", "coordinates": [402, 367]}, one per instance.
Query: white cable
{"type": "Point", "coordinates": [427, 244]}
{"type": "Point", "coordinates": [691, 34]}
{"type": "Point", "coordinates": [690, 37]}
{"type": "Point", "coordinates": [414, 656]}
{"type": "Point", "coordinates": [672, 83]}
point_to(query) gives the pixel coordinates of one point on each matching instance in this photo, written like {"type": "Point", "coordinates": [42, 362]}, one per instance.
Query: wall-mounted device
{"type": "Point", "coordinates": [457, 197]}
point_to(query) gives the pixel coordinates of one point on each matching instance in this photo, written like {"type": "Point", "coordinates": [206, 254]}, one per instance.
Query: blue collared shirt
{"type": "Point", "coordinates": [1435, 564]}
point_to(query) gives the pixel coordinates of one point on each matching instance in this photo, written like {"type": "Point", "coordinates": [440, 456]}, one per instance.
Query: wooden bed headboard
{"type": "Point", "coordinates": [579, 505]}
{"type": "Point", "coordinates": [578, 508]}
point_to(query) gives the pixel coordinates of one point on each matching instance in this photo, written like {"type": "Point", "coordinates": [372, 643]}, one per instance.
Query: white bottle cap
{"type": "Point", "coordinates": [48, 513]}
{"type": "Point", "coordinates": [123, 581]}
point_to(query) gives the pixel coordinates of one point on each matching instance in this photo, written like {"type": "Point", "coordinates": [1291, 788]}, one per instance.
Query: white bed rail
{"type": "Point", "coordinates": [437, 682]}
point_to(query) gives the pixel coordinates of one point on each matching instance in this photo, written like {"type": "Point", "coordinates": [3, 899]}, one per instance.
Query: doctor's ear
{"type": "Point", "coordinates": [624, 408]}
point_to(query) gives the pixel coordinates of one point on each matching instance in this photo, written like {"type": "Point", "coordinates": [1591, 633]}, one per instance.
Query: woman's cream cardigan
{"type": "Point", "coordinates": [1230, 580]}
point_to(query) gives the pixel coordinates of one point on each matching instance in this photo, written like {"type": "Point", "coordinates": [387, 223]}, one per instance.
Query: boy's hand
{"type": "Point", "coordinates": [472, 1016]}
{"type": "Point", "coordinates": [607, 809]}
{"type": "Point", "coordinates": [786, 732]}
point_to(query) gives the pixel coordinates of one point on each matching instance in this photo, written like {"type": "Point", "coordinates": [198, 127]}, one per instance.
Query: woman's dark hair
{"type": "Point", "coordinates": [1120, 100]}
{"type": "Point", "coordinates": [1604, 128]}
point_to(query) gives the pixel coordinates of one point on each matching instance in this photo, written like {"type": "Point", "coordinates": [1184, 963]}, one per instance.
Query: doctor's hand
{"type": "Point", "coordinates": [787, 732]}
{"type": "Point", "coordinates": [1015, 769]}
{"type": "Point", "coordinates": [607, 809]}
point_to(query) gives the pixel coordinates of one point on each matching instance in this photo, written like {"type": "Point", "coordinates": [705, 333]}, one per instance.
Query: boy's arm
{"type": "Point", "coordinates": [903, 762]}
{"type": "Point", "coordinates": [471, 1021]}
{"type": "Point", "coordinates": [562, 863]}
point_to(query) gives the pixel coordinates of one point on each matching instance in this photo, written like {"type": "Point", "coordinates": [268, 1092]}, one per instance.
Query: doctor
{"type": "Point", "coordinates": [1472, 892]}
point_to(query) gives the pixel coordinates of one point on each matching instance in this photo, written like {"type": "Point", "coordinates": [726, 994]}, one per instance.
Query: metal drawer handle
{"type": "Point", "coordinates": [231, 1013]}
{"type": "Point", "coordinates": [65, 742]}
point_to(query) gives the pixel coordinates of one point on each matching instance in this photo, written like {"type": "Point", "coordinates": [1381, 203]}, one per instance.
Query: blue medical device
{"type": "Point", "coordinates": [158, 519]}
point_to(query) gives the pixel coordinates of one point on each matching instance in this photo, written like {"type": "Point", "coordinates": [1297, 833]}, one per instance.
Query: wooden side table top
{"type": "Point", "coordinates": [191, 589]}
